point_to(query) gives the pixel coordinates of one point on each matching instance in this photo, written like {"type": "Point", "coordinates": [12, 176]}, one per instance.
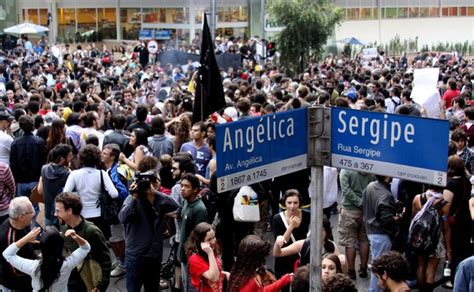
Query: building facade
{"type": "Point", "coordinates": [378, 21]}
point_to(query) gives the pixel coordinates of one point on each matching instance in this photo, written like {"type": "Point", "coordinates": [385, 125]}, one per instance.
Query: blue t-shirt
{"type": "Point", "coordinates": [200, 156]}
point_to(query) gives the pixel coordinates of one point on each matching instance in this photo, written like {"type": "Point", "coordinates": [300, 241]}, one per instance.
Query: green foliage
{"type": "Point", "coordinates": [308, 25]}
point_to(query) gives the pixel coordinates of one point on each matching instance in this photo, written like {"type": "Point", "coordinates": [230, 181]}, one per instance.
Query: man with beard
{"type": "Point", "coordinates": [68, 209]}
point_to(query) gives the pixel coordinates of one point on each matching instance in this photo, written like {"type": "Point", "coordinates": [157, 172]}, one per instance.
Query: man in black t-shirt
{"type": "Point", "coordinates": [18, 225]}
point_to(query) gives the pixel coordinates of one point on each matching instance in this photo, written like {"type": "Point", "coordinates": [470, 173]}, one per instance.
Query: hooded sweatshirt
{"type": "Point", "coordinates": [54, 178]}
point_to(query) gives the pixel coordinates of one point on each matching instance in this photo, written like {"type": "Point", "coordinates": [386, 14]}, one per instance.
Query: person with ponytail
{"type": "Point", "coordinates": [52, 271]}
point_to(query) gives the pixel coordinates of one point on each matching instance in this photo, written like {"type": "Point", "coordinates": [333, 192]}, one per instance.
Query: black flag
{"type": "Point", "coordinates": [209, 94]}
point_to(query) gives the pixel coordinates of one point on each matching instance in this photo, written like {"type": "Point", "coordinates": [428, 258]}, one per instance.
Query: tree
{"type": "Point", "coordinates": [308, 25]}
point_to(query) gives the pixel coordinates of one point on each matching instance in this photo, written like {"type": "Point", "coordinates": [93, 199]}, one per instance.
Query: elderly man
{"type": "Point", "coordinates": [21, 214]}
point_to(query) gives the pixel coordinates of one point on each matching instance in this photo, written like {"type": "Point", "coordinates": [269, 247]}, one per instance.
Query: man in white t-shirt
{"type": "Point", "coordinates": [5, 138]}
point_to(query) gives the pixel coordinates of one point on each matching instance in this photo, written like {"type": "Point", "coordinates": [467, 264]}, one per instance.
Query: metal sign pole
{"type": "Point", "coordinates": [213, 20]}
{"type": "Point", "coordinates": [317, 174]}
{"type": "Point", "coordinates": [319, 147]}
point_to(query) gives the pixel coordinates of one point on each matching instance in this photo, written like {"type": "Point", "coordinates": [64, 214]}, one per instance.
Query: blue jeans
{"type": "Point", "coordinates": [379, 244]}
{"type": "Point", "coordinates": [24, 190]}
{"type": "Point", "coordinates": [186, 278]}
{"type": "Point", "coordinates": [142, 271]}
{"type": "Point", "coordinates": [464, 279]}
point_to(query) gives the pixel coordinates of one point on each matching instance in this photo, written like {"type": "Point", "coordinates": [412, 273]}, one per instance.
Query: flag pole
{"type": "Point", "coordinates": [202, 98]}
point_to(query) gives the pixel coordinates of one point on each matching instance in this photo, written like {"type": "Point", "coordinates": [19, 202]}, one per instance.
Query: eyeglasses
{"type": "Point", "coordinates": [174, 168]}
{"type": "Point", "coordinates": [32, 212]}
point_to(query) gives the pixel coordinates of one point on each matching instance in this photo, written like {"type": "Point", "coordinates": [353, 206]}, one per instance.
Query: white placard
{"type": "Point", "coordinates": [369, 53]}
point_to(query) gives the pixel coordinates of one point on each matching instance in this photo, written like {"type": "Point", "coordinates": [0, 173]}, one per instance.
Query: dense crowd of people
{"type": "Point", "coordinates": [106, 143]}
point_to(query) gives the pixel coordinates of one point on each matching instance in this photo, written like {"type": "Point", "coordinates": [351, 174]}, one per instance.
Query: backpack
{"type": "Point", "coordinates": [425, 228]}
{"type": "Point", "coordinates": [246, 207]}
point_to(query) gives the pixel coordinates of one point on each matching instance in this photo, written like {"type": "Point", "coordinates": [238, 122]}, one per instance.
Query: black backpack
{"type": "Point", "coordinates": [424, 232]}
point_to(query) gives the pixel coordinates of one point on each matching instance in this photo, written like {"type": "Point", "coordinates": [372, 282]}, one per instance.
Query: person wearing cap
{"type": "Point", "coordinates": [5, 138]}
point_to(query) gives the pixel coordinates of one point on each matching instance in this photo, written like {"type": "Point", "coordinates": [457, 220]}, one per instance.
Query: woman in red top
{"type": "Point", "coordinates": [204, 265]}
{"type": "Point", "coordinates": [248, 272]}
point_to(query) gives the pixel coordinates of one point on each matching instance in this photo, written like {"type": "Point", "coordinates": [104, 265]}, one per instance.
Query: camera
{"type": "Point", "coordinates": [143, 180]}
{"type": "Point", "coordinates": [399, 206]}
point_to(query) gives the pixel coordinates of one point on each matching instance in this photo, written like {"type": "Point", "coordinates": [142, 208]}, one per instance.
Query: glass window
{"type": "Point", "coordinates": [86, 21]}
{"type": "Point", "coordinates": [43, 14]}
{"type": "Point", "coordinates": [233, 31]}
{"type": "Point", "coordinates": [445, 11]}
{"type": "Point", "coordinates": [165, 15]}
{"type": "Point", "coordinates": [130, 19]}
{"type": "Point", "coordinates": [434, 11]}
{"type": "Point", "coordinates": [413, 12]}
{"type": "Point", "coordinates": [151, 15]}
{"type": "Point", "coordinates": [403, 12]}
{"type": "Point", "coordinates": [175, 15]}
{"type": "Point", "coordinates": [353, 14]}
{"type": "Point", "coordinates": [66, 22]}
{"type": "Point", "coordinates": [31, 15]}
{"type": "Point", "coordinates": [470, 11]}
{"type": "Point", "coordinates": [107, 23]}
{"type": "Point", "coordinates": [390, 12]}
{"type": "Point", "coordinates": [375, 13]}
{"type": "Point", "coordinates": [453, 11]}
{"type": "Point", "coordinates": [199, 12]}
{"type": "Point", "coordinates": [232, 14]}
{"type": "Point", "coordinates": [366, 13]}
{"type": "Point", "coordinates": [424, 12]}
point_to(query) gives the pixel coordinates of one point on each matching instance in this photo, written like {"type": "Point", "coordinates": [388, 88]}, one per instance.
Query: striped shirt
{"type": "Point", "coordinates": [7, 186]}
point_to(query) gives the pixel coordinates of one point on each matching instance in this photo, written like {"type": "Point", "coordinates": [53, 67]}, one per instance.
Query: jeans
{"type": "Point", "coordinates": [186, 278]}
{"type": "Point", "coordinates": [142, 271]}
{"type": "Point", "coordinates": [24, 190]}
{"type": "Point", "coordinates": [464, 280]}
{"type": "Point", "coordinates": [379, 244]}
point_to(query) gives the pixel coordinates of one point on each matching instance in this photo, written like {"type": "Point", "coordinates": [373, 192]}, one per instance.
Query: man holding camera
{"type": "Point", "coordinates": [142, 215]}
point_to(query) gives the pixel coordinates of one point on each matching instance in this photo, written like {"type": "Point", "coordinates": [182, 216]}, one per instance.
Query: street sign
{"type": "Point", "coordinates": [146, 34]}
{"type": "Point", "coordinates": [406, 147]}
{"type": "Point", "coordinates": [271, 24]}
{"type": "Point", "coordinates": [257, 149]}
{"type": "Point", "coordinates": [152, 47]}
{"type": "Point", "coordinates": [163, 34]}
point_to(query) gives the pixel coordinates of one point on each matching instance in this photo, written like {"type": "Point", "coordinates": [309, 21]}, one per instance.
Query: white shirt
{"type": "Point", "coordinates": [5, 146]}
{"type": "Point", "coordinates": [330, 186]}
{"type": "Point", "coordinates": [31, 267]}
{"type": "Point", "coordinates": [86, 182]}
{"type": "Point", "coordinates": [390, 105]}
{"type": "Point", "coordinates": [86, 132]}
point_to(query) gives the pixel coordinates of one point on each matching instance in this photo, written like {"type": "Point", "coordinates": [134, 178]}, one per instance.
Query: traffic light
{"type": "Point", "coordinates": [271, 49]}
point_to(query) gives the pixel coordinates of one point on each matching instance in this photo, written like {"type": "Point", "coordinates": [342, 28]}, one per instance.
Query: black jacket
{"type": "Point", "coordinates": [27, 156]}
{"type": "Point", "coordinates": [379, 209]}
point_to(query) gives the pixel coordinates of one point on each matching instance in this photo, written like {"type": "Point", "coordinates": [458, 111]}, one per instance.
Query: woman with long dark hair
{"type": "Point", "coordinates": [52, 271]}
{"type": "Point", "coordinates": [57, 135]}
{"type": "Point", "coordinates": [457, 193]}
{"type": "Point", "coordinates": [249, 271]}
{"type": "Point", "coordinates": [139, 141]}
{"type": "Point", "coordinates": [205, 266]}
